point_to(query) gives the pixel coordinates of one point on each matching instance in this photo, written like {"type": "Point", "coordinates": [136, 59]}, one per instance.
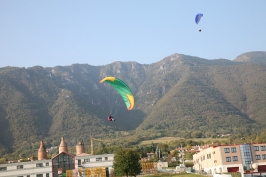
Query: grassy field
{"type": "Point", "coordinates": [173, 175]}
{"type": "Point", "coordinates": [168, 139]}
{"type": "Point", "coordinates": [160, 140]}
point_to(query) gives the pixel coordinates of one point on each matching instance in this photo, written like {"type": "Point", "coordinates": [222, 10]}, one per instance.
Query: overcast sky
{"type": "Point", "coordinates": [63, 32]}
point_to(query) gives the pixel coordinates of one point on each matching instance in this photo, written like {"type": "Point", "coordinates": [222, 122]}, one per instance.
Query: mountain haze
{"type": "Point", "coordinates": [252, 57]}
{"type": "Point", "coordinates": [178, 96]}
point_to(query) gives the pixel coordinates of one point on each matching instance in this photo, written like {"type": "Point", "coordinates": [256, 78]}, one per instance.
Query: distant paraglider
{"type": "Point", "coordinates": [197, 19]}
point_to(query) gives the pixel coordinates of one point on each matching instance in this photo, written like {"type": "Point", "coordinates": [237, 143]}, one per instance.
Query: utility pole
{"type": "Point", "coordinates": [91, 144]}
{"type": "Point", "coordinates": [182, 154]}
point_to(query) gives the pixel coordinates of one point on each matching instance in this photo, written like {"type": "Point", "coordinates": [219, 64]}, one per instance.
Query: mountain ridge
{"type": "Point", "coordinates": [175, 96]}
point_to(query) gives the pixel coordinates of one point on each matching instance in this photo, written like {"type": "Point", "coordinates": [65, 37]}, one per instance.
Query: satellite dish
{"type": "Point", "coordinates": [254, 166]}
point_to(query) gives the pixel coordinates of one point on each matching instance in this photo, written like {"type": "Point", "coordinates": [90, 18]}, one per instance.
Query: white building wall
{"type": "Point", "coordinates": [211, 170]}
{"type": "Point", "coordinates": [223, 168]}
{"type": "Point", "coordinates": [29, 169]}
{"type": "Point", "coordinates": [206, 159]}
{"type": "Point", "coordinates": [98, 164]}
{"type": "Point", "coordinates": [161, 165]}
{"type": "Point", "coordinates": [87, 160]}
{"type": "Point", "coordinates": [91, 161]}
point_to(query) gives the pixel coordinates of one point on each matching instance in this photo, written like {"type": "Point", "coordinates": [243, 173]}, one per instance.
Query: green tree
{"type": "Point", "coordinates": [189, 155]}
{"type": "Point", "coordinates": [196, 134]}
{"type": "Point", "coordinates": [188, 146]}
{"type": "Point", "coordinates": [127, 162]}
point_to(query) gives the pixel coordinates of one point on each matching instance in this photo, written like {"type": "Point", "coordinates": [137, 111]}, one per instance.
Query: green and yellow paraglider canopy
{"type": "Point", "coordinates": [122, 89]}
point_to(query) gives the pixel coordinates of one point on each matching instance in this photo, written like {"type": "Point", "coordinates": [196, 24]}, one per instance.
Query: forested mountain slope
{"type": "Point", "coordinates": [180, 95]}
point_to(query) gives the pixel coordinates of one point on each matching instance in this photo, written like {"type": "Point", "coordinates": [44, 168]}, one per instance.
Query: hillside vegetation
{"type": "Point", "coordinates": [180, 96]}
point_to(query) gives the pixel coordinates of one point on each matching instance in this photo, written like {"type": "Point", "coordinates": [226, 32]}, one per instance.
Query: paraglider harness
{"type": "Point", "coordinates": [110, 118]}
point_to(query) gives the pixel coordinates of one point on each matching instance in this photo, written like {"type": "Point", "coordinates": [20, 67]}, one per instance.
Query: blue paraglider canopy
{"type": "Point", "coordinates": [198, 17]}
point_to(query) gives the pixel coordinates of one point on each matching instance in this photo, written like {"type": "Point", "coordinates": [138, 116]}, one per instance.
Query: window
{"type": "Point", "coordinates": [233, 149]}
{"type": "Point", "coordinates": [39, 165]}
{"type": "Point", "coordinates": [39, 175]}
{"type": "Point", "coordinates": [256, 148]}
{"type": "Point", "coordinates": [99, 159]}
{"type": "Point", "coordinates": [228, 159]}
{"type": "Point", "coordinates": [19, 176]}
{"type": "Point", "coordinates": [235, 158]}
{"type": "Point", "coordinates": [86, 160]}
{"type": "Point", "coordinates": [257, 157]}
{"type": "Point", "coordinates": [220, 170]}
{"type": "Point", "coordinates": [19, 166]}
{"type": "Point", "coordinates": [208, 156]}
{"type": "Point", "coordinates": [247, 162]}
{"type": "Point", "coordinates": [226, 150]}
{"type": "Point", "coordinates": [263, 156]}
{"type": "Point", "coordinates": [2, 168]}
{"type": "Point", "coordinates": [47, 164]}
{"type": "Point", "coordinates": [28, 175]}
{"type": "Point", "coordinates": [47, 174]}
{"type": "Point", "coordinates": [106, 158]}
{"type": "Point", "coordinates": [79, 162]}
{"type": "Point", "coordinates": [246, 153]}
{"type": "Point", "coordinates": [262, 148]}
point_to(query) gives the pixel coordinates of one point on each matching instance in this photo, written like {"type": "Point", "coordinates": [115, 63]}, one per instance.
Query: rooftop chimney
{"type": "Point", "coordinates": [63, 146]}
{"type": "Point", "coordinates": [80, 148]}
{"type": "Point", "coordinates": [42, 154]}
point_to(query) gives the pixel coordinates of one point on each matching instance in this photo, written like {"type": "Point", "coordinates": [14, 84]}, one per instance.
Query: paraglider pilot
{"type": "Point", "coordinates": [110, 118]}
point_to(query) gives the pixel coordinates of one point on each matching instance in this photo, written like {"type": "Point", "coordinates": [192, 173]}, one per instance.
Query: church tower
{"type": "Point", "coordinates": [42, 154]}
{"type": "Point", "coordinates": [63, 146]}
{"type": "Point", "coordinates": [80, 148]}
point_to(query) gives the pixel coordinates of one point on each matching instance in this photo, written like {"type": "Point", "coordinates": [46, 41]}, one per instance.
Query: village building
{"type": "Point", "coordinates": [61, 163]}
{"type": "Point", "coordinates": [243, 158]}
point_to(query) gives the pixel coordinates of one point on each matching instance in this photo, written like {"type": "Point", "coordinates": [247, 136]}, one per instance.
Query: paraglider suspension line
{"type": "Point", "coordinates": [114, 104]}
